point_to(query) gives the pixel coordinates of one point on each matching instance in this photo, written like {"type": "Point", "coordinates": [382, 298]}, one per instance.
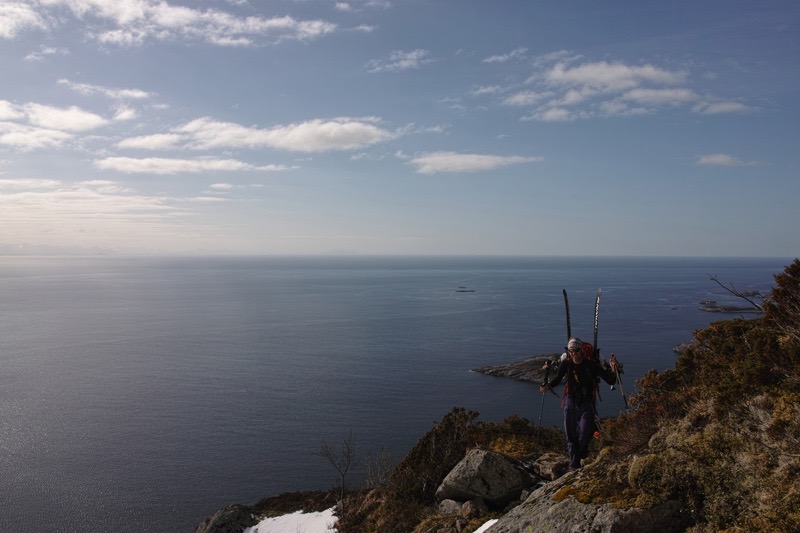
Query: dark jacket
{"type": "Point", "coordinates": [582, 378]}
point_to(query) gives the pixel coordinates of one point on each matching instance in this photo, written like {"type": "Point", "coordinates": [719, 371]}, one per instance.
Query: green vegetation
{"type": "Point", "coordinates": [720, 433]}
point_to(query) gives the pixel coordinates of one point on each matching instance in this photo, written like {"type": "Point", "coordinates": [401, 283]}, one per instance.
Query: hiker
{"type": "Point", "coordinates": [582, 370]}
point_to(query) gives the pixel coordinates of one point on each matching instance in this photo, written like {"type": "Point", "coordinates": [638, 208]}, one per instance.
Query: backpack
{"type": "Point", "coordinates": [589, 353]}
{"type": "Point", "coordinates": [588, 350]}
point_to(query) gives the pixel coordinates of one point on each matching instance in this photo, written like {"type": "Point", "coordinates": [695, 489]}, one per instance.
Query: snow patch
{"type": "Point", "coordinates": [299, 522]}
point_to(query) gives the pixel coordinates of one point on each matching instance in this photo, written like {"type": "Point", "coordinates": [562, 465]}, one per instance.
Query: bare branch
{"type": "Point", "coordinates": [736, 293]}
{"type": "Point", "coordinates": [342, 460]}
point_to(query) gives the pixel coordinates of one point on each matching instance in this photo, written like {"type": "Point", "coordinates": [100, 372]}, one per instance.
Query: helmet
{"type": "Point", "coordinates": [574, 344]}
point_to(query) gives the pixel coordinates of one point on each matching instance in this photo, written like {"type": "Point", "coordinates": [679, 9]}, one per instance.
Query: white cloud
{"type": "Point", "coordinates": [437, 162]}
{"type": "Point", "coordinates": [523, 98]}
{"type": "Point", "coordinates": [29, 183]}
{"type": "Point", "coordinates": [674, 96]}
{"type": "Point", "coordinates": [25, 138]}
{"type": "Point", "coordinates": [486, 89]}
{"type": "Point", "coordinates": [312, 136]}
{"type": "Point", "coordinates": [160, 165]}
{"type": "Point", "coordinates": [124, 113]}
{"type": "Point", "coordinates": [105, 186]}
{"type": "Point", "coordinates": [70, 119]}
{"type": "Point", "coordinates": [45, 51]}
{"type": "Point", "coordinates": [9, 111]}
{"type": "Point", "coordinates": [611, 76]}
{"type": "Point", "coordinates": [87, 89]}
{"type": "Point", "coordinates": [553, 114]}
{"type": "Point", "coordinates": [564, 89]}
{"type": "Point", "coordinates": [221, 186]}
{"type": "Point", "coordinates": [399, 60]}
{"type": "Point", "coordinates": [16, 17]}
{"type": "Point", "coordinates": [207, 199]}
{"type": "Point", "coordinates": [97, 212]}
{"type": "Point", "coordinates": [134, 22]}
{"type": "Point", "coordinates": [519, 53]}
{"type": "Point", "coordinates": [158, 141]}
{"type": "Point", "coordinates": [719, 160]}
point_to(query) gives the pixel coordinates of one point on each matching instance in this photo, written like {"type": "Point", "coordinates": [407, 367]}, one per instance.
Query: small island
{"type": "Point", "coordinates": [711, 306]}
{"type": "Point", "coordinates": [530, 370]}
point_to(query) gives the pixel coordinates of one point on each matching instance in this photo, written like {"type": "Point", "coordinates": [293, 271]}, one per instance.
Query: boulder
{"type": "Point", "coordinates": [541, 512]}
{"type": "Point", "coordinates": [232, 519]}
{"type": "Point", "coordinates": [474, 509]}
{"type": "Point", "coordinates": [486, 475]}
{"type": "Point", "coordinates": [550, 466]}
{"type": "Point", "coordinates": [451, 507]}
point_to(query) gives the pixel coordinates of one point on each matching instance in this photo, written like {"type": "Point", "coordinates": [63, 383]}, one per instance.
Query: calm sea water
{"type": "Point", "coordinates": [141, 395]}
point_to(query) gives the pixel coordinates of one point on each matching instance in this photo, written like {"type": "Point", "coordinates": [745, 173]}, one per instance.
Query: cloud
{"type": "Point", "coordinates": [519, 53]}
{"type": "Point", "coordinates": [25, 138]}
{"type": "Point", "coordinates": [606, 76]}
{"type": "Point", "coordinates": [134, 22]}
{"type": "Point", "coordinates": [399, 60]}
{"type": "Point", "coordinates": [675, 96]}
{"type": "Point", "coordinates": [28, 183]}
{"type": "Point", "coordinates": [436, 162]}
{"type": "Point", "coordinates": [44, 122]}
{"type": "Point", "coordinates": [553, 114]}
{"type": "Point", "coordinates": [99, 212]}
{"type": "Point", "coordinates": [9, 111]}
{"type": "Point", "coordinates": [16, 17]}
{"type": "Point", "coordinates": [124, 113]}
{"type": "Point", "coordinates": [115, 94]}
{"type": "Point", "coordinates": [524, 98]}
{"type": "Point", "coordinates": [207, 199]}
{"type": "Point", "coordinates": [158, 141]}
{"type": "Point", "coordinates": [565, 88]}
{"type": "Point", "coordinates": [45, 51]}
{"type": "Point", "coordinates": [312, 136]}
{"type": "Point", "coordinates": [486, 89]}
{"type": "Point", "coordinates": [159, 165]}
{"type": "Point", "coordinates": [63, 119]}
{"type": "Point", "coordinates": [719, 160]}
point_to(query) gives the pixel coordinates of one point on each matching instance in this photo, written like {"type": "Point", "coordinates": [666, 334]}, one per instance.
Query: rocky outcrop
{"type": "Point", "coordinates": [232, 519]}
{"type": "Point", "coordinates": [546, 511]}
{"type": "Point", "coordinates": [484, 475]}
{"type": "Point", "coordinates": [485, 478]}
{"type": "Point", "coordinates": [528, 370]}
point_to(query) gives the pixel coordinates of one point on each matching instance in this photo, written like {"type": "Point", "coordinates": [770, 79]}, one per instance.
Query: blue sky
{"type": "Point", "coordinates": [401, 127]}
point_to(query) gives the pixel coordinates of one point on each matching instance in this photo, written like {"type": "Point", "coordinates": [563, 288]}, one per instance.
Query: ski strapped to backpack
{"type": "Point", "coordinates": [590, 350]}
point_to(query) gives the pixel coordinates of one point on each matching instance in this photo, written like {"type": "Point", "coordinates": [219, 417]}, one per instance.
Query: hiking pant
{"type": "Point", "coordinates": [579, 427]}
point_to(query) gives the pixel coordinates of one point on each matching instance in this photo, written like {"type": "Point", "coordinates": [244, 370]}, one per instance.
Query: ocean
{"type": "Point", "coordinates": [143, 394]}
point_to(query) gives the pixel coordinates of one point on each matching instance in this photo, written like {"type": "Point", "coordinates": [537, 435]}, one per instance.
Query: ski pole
{"type": "Point", "coordinates": [546, 367]}
{"type": "Point", "coordinates": [546, 376]}
{"type": "Point", "coordinates": [619, 380]}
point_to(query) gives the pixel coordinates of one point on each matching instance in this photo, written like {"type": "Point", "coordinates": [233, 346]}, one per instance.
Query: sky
{"type": "Point", "coordinates": [413, 127]}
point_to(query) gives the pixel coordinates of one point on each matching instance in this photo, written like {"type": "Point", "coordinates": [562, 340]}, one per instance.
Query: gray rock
{"type": "Point", "coordinates": [540, 513]}
{"type": "Point", "coordinates": [232, 519]}
{"type": "Point", "coordinates": [474, 509]}
{"type": "Point", "coordinates": [450, 507]}
{"type": "Point", "coordinates": [550, 466]}
{"type": "Point", "coordinates": [486, 475]}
